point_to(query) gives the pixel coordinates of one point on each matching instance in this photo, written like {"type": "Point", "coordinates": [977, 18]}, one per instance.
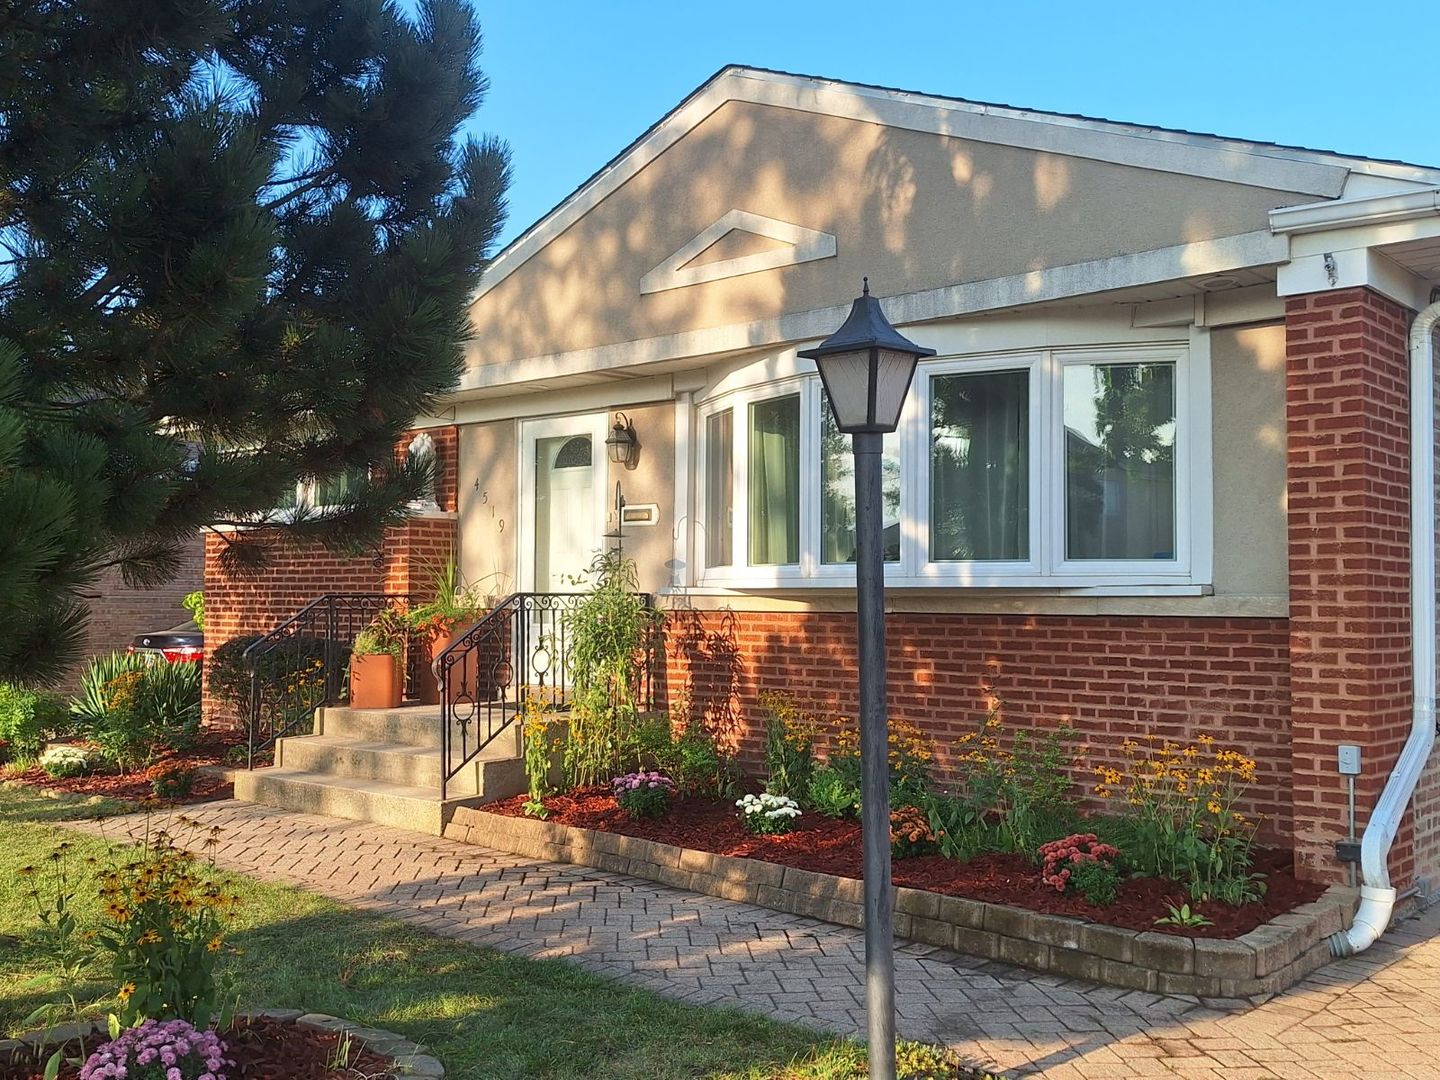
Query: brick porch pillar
{"type": "Point", "coordinates": [1347, 482]}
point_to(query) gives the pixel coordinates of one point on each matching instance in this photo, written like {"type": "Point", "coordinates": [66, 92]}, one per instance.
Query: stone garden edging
{"type": "Point", "coordinates": [1264, 961]}
{"type": "Point", "coordinates": [410, 1058]}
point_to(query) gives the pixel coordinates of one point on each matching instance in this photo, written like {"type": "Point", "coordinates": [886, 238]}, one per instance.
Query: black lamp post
{"type": "Point", "coordinates": [867, 367]}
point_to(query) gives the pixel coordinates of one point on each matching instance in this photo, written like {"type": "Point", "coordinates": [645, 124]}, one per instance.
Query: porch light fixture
{"type": "Point", "coordinates": [622, 443]}
{"type": "Point", "coordinates": [867, 367]}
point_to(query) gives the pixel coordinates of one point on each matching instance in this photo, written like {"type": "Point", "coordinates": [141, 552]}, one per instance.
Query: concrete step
{"type": "Point", "coordinates": [393, 763]}
{"type": "Point", "coordinates": [409, 725]}
{"type": "Point", "coordinates": [400, 806]}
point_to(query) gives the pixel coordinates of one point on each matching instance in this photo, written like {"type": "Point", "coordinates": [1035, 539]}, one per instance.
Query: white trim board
{"type": "Point", "coordinates": [803, 245]}
{"type": "Point", "coordinates": [1260, 248]}
{"type": "Point", "coordinates": [1310, 172]}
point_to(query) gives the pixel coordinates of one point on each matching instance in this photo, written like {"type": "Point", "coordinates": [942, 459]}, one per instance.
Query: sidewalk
{"type": "Point", "coordinates": [1374, 1016]}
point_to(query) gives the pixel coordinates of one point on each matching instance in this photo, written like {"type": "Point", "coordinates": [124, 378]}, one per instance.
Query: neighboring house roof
{"type": "Point", "coordinates": [1321, 174]}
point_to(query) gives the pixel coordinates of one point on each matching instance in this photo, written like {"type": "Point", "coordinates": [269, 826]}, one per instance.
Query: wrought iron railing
{"type": "Point", "coordinates": [521, 647]}
{"type": "Point", "coordinates": [301, 666]}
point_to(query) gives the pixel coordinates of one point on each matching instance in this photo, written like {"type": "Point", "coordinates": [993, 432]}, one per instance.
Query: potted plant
{"type": "Point", "coordinates": [436, 624]}
{"type": "Point", "coordinates": [377, 680]}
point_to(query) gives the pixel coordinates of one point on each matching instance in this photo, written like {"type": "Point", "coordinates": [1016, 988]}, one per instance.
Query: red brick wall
{"type": "Point", "coordinates": [118, 612]}
{"type": "Point", "coordinates": [1109, 677]}
{"type": "Point", "coordinates": [1348, 496]}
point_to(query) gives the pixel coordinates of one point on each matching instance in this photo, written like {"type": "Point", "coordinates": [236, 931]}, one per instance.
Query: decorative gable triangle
{"type": "Point", "coordinates": [802, 245]}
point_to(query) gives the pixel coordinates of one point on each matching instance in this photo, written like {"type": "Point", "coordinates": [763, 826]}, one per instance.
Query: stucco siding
{"type": "Point", "coordinates": [488, 490]}
{"type": "Point", "coordinates": [1248, 402]}
{"type": "Point", "coordinates": [912, 210]}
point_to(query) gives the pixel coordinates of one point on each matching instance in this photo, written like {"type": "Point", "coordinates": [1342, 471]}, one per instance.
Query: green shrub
{"type": "Point", "coordinates": [173, 782]}
{"type": "Point", "coordinates": [27, 719]}
{"type": "Point", "coordinates": [960, 828]}
{"type": "Point", "coordinates": [1182, 821]}
{"type": "Point", "coordinates": [295, 670]}
{"type": "Point", "coordinates": [65, 762]}
{"type": "Point", "coordinates": [789, 746]}
{"type": "Point", "coordinates": [694, 760]}
{"type": "Point", "coordinates": [911, 752]}
{"type": "Point", "coordinates": [1023, 790]}
{"type": "Point", "coordinates": [1098, 882]}
{"type": "Point", "coordinates": [93, 704]}
{"type": "Point", "coordinates": [144, 706]}
{"type": "Point", "coordinates": [171, 698]}
{"type": "Point", "coordinates": [833, 793]}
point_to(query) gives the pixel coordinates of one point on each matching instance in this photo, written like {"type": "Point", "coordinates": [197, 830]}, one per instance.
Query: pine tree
{"type": "Point", "coordinates": [238, 239]}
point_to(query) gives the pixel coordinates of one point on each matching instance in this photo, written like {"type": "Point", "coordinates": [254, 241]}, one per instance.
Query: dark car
{"type": "Point", "coordinates": [183, 644]}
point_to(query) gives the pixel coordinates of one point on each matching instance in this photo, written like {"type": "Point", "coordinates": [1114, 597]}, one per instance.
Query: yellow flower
{"type": "Point", "coordinates": [126, 992]}
{"type": "Point", "coordinates": [213, 945]}
{"type": "Point", "coordinates": [1213, 806]}
{"type": "Point", "coordinates": [150, 937]}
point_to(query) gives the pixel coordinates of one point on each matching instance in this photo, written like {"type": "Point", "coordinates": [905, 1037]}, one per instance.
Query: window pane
{"type": "Point", "coordinates": [837, 493]}
{"type": "Point", "coordinates": [1120, 461]}
{"type": "Point", "coordinates": [332, 490]}
{"type": "Point", "coordinates": [980, 467]}
{"type": "Point", "coordinates": [719, 487]}
{"type": "Point", "coordinates": [774, 477]}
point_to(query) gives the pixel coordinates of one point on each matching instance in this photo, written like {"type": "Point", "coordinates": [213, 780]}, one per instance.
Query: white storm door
{"type": "Point", "coordinates": [563, 470]}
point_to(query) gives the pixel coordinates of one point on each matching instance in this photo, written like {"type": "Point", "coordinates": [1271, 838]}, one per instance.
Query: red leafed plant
{"type": "Point", "coordinates": [1062, 857]}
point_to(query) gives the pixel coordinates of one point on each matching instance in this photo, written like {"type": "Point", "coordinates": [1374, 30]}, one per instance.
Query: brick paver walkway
{"type": "Point", "coordinates": [1373, 1016]}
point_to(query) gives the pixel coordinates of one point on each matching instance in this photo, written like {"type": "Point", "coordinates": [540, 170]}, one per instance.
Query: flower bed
{"type": "Point", "coordinates": [208, 752]}
{"type": "Point", "coordinates": [1053, 936]}
{"type": "Point", "coordinates": [832, 846]}
{"type": "Point", "coordinates": [276, 1045]}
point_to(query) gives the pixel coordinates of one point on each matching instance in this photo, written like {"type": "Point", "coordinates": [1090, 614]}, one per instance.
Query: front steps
{"type": "Point", "coordinates": [381, 765]}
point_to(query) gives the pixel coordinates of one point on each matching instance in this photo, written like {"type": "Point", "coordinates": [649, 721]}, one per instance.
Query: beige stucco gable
{"type": "Point", "coordinates": [911, 209]}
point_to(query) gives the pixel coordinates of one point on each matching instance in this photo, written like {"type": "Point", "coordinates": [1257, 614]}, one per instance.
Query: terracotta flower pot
{"type": "Point", "coordinates": [376, 681]}
{"type": "Point", "coordinates": [427, 686]}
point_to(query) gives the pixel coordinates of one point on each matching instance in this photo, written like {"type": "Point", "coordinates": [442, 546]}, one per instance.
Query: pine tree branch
{"type": "Point", "coordinates": [319, 180]}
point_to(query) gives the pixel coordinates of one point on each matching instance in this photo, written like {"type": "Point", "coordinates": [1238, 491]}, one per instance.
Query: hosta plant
{"type": "Point", "coordinates": [159, 1050]}
{"type": "Point", "coordinates": [643, 794]}
{"type": "Point", "coordinates": [768, 815]}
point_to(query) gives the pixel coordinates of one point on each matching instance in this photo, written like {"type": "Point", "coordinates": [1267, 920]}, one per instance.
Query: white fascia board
{"type": "Point", "coordinates": [1303, 171]}
{"type": "Point", "coordinates": [557, 401]}
{"type": "Point", "coordinates": [1350, 213]}
{"type": "Point", "coordinates": [1259, 248]}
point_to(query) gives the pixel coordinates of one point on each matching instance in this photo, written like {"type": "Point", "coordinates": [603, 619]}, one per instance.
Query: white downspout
{"type": "Point", "coordinates": [1377, 896]}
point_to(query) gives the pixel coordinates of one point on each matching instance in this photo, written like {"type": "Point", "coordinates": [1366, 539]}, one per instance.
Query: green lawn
{"type": "Point", "coordinates": [485, 1014]}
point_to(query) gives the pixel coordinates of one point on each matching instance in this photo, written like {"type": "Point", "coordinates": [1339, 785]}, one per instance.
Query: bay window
{"type": "Point", "coordinates": [1053, 467]}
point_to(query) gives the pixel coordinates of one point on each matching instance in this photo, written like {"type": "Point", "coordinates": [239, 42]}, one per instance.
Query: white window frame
{"type": "Point", "coordinates": [1046, 568]}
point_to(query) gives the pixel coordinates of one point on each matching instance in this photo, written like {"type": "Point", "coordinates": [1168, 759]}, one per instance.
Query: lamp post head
{"type": "Point", "coordinates": [866, 366]}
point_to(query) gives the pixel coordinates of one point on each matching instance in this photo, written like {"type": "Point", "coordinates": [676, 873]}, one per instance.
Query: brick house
{"type": "Point", "coordinates": [1157, 479]}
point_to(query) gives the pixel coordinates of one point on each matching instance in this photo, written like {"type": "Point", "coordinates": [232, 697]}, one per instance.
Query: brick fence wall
{"type": "Point", "coordinates": [1111, 678]}
{"type": "Point", "coordinates": [119, 612]}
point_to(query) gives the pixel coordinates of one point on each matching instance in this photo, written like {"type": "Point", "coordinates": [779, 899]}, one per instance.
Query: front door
{"type": "Point", "coordinates": [563, 476]}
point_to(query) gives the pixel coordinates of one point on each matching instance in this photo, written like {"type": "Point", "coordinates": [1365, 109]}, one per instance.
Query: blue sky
{"type": "Point", "coordinates": [573, 83]}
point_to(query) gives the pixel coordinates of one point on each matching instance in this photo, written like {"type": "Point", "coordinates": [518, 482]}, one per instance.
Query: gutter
{"type": "Point", "coordinates": [1345, 213]}
{"type": "Point", "coordinates": [1377, 896]}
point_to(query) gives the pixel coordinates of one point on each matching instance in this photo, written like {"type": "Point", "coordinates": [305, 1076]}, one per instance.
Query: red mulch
{"type": "Point", "coordinates": [209, 749]}
{"type": "Point", "coordinates": [262, 1049]}
{"type": "Point", "coordinates": [832, 846]}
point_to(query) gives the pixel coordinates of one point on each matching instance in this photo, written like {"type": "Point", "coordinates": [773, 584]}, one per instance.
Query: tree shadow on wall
{"type": "Point", "coordinates": [707, 644]}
